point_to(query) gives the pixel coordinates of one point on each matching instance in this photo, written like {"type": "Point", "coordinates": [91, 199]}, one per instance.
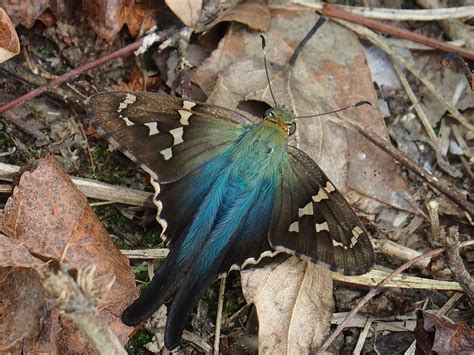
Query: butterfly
{"type": "Point", "coordinates": [228, 193]}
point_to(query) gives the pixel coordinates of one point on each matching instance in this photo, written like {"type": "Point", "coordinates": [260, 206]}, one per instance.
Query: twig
{"type": "Point", "coordinates": [96, 189]}
{"type": "Point", "coordinates": [450, 304]}
{"type": "Point", "coordinates": [362, 336]}
{"type": "Point", "coordinates": [336, 12]}
{"type": "Point", "coordinates": [375, 290]}
{"type": "Point", "coordinates": [89, 150]}
{"type": "Point", "coordinates": [79, 70]}
{"type": "Point", "coordinates": [220, 306]}
{"type": "Point", "coordinates": [158, 253]}
{"type": "Point", "coordinates": [374, 277]}
{"type": "Point", "coordinates": [193, 338]}
{"type": "Point", "coordinates": [456, 264]}
{"type": "Point", "coordinates": [398, 14]}
{"type": "Point", "coordinates": [437, 234]}
{"type": "Point", "coordinates": [25, 126]}
{"type": "Point", "coordinates": [77, 300]}
{"type": "Point", "coordinates": [395, 250]}
{"type": "Point", "coordinates": [416, 103]}
{"type": "Point", "coordinates": [452, 60]}
{"type": "Point", "coordinates": [380, 42]}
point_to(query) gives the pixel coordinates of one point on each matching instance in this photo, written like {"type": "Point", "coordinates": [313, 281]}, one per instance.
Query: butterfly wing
{"type": "Point", "coordinates": [168, 137]}
{"type": "Point", "coordinates": [312, 220]}
{"type": "Point", "coordinates": [171, 139]}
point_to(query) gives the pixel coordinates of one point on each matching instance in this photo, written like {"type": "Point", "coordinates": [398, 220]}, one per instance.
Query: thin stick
{"type": "Point", "coordinates": [220, 307]}
{"type": "Point", "coordinates": [363, 336]}
{"type": "Point", "coordinates": [458, 198]}
{"type": "Point", "coordinates": [398, 14]}
{"type": "Point", "coordinates": [95, 189]}
{"type": "Point", "coordinates": [416, 103]}
{"type": "Point", "coordinates": [336, 12]}
{"type": "Point", "coordinates": [375, 290]}
{"type": "Point", "coordinates": [456, 264]}
{"type": "Point", "coordinates": [78, 71]}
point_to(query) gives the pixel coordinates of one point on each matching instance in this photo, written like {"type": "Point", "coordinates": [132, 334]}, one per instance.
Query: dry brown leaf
{"type": "Point", "coordinates": [434, 334]}
{"type": "Point", "coordinates": [27, 12]}
{"type": "Point", "coordinates": [106, 17]}
{"type": "Point", "coordinates": [52, 219]}
{"type": "Point", "coordinates": [331, 72]}
{"type": "Point", "coordinates": [294, 305]}
{"type": "Point", "coordinates": [246, 13]}
{"type": "Point", "coordinates": [138, 81]}
{"type": "Point", "coordinates": [9, 42]}
{"type": "Point", "coordinates": [188, 11]}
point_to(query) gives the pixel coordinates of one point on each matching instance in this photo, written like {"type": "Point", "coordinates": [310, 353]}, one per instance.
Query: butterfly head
{"type": "Point", "coordinates": [282, 117]}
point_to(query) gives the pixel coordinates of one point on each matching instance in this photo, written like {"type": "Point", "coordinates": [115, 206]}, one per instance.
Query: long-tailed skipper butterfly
{"type": "Point", "coordinates": [228, 193]}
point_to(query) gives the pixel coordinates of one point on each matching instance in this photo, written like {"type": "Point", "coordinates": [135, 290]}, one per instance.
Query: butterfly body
{"type": "Point", "coordinates": [230, 192]}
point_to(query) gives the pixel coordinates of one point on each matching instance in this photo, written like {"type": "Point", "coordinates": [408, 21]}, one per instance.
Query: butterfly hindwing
{"type": "Point", "coordinates": [312, 219]}
{"type": "Point", "coordinates": [167, 136]}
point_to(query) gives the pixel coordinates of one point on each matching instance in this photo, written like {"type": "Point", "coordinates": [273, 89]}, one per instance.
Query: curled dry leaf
{"type": "Point", "coordinates": [245, 13]}
{"type": "Point", "coordinates": [9, 42]}
{"type": "Point", "coordinates": [187, 11]}
{"type": "Point", "coordinates": [434, 334]}
{"type": "Point", "coordinates": [27, 12]}
{"type": "Point", "coordinates": [49, 218]}
{"type": "Point", "coordinates": [107, 17]}
{"type": "Point", "coordinates": [294, 305]}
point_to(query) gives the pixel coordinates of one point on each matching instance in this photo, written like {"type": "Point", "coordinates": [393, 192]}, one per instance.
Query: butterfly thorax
{"type": "Point", "coordinates": [281, 117]}
{"type": "Point", "coordinates": [259, 152]}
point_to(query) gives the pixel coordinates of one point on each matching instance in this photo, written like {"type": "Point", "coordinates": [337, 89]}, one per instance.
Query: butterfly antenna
{"type": "Point", "coordinates": [357, 104]}
{"type": "Point", "coordinates": [264, 48]}
{"type": "Point", "coordinates": [312, 31]}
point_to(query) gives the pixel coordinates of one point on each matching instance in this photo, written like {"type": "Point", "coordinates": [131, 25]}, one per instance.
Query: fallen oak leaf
{"type": "Point", "coordinates": [9, 42]}
{"type": "Point", "coordinates": [245, 13]}
{"type": "Point", "coordinates": [187, 11]}
{"type": "Point", "coordinates": [434, 334]}
{"type": "Point", "coordinates": [294, 303]}
{"type": "Point", "coordinates": [52, 219]}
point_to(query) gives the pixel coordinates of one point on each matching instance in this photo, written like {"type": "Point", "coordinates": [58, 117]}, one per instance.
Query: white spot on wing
{"type": "Point", "coordinates": [188, 105]}
{"type": "Point", "coordinates": [184, 120]}
{"type": "Point", "coordinates": [153, 127]}
{"type": "Point", "coordinates": [356, 232]}
{"type": "Point", "coordinates": [329, 187]}
{"type": "Point", "coordinates": [177, 135]}
{"type": "Point", "coordinates": [167, 153]}
{"type": "Point", "coordinates": [294, 227]}
{"type": "Point", "coordinates": [337, 244]}
{"type": "Point", "coordinates": [322, 195]}
{"type": "Point", "coordinates": [306, 210]}
{"type": "Point", "coordinates": [127, 121]}
{"type": "Point", "coordinates": [322, 227]}
{"type": "Point", "coordinates": [129, 99]}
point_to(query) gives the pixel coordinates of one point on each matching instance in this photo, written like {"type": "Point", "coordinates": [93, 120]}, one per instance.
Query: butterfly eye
{"type": "Point", "coordinates": [291, 128]}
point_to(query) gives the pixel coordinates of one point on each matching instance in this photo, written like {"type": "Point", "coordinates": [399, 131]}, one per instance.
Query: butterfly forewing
{"type": "Point", "coordinates": [167, 136]}
{"type": "Point", "coordinates": [311, 219]}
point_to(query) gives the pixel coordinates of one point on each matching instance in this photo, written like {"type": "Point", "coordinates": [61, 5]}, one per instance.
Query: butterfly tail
{"type": "Point", "coordinates": [235, 206]}
{"type": "Point", "coordinates": [167, 279]}
{"type": "Point", "coordinates": [185, 300]}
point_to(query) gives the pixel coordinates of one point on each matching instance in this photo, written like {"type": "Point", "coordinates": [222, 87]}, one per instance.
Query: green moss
{"type": "Point", "coordinates": [110, 216]}
{"type": "Point", "coordinates": [111, 167]}
{"type": "Point", "coordinates": [136, 344]}
{"type": "Point", "coordinates": [47, 50]}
